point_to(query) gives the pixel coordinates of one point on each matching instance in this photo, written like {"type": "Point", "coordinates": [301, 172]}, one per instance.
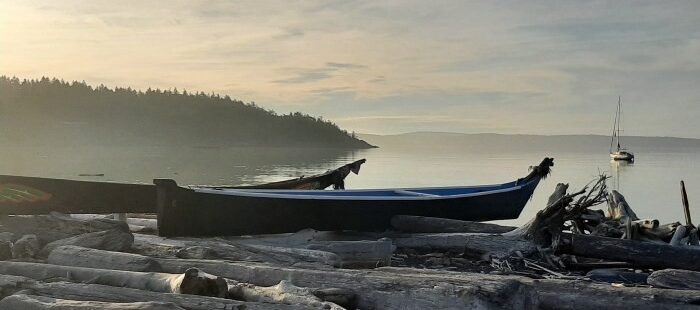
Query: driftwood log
{"type": "Point", "coordinates": [217, 248]}
{"type": "Point", "coordinates": [54, 226]}
{"type": "Point", "coordinates": [116, 239]}
{"type": "Point", "coordinates": [191, 281]}
{"type": "Point", "coordinates": [31, 302]}
{"type": "Point", "coordinates": [26, 247]}
{"type": "Point", "coordinates": [407, 288]}
{"type": "Point", "coordinates": [283, 249]}
{"type": "Point", "coordinates": [675, 279]}
{"type": "Point", "coordinates": [422, 224]}
{"type": "Point", "coordinates": [639, 253]}
{"type": "Point", "coordinates": [91, 258]}
{"type": "Point", "coordinates": [105, 293]}
{"type": "Point", "coordinates": [474, 245]}
{"type": "Point", "coordinates": [619, 209]}
{"type": "Point", "coordinates": [373, 289]}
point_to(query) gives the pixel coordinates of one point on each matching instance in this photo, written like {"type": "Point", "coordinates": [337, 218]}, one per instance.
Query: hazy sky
{"type": "Point", "coordinates": [543, 67]}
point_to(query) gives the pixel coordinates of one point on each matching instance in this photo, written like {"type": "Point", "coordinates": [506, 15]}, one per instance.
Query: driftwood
{"type": "Point", "coordinates": [191, 281]}
{"type": "Point", "coordinates": [222, 249]}
{"type": "Point", "coordinates": [618, 275]}
{"type": "Point", "coordinates": [105, 293]}
{"type": "Point", "coordinates": [618, 208]}
{"type": "Point", "coordinates": [110, 240]}
{"type": "Point", "coordinates": [30, 302]}
{"type": "Point", "coordinates": [284, 293]}
{"type": "Point", "coordinates": [361, 253]}
{"type": "Point", "coordinates": [285, 249]}
{"type": "Point", "coordinates": [548, 222]}
{"type": "Point", "coordinates": [639, 253]}
{"type": "Point", "coordinates": [475, 245]}
{"type": "Point", "coordinates": [280, 293]}
{"type": "Point", "coordinates": [374, 289]}
{"type": "Point", "coordinates": [584, 295]}
{"type": "Point", "coordinates": [69, 255]}
{"type": "Point", "coordinates": [55, 226]}
{"type": "Point", "coordinates": [675, 279]}
{"type": "Point", "coordinates": [136, 224]}
{"type": "Point", "coordinates": [406, 288]}
{"type": "Point", "coordinates": [26, 247]}
{"type": "Point", "coordinates": [422, 224]}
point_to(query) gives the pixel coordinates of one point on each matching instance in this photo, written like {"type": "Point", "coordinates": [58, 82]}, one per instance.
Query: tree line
{"type": "Point", "coordinates": [49, 111]}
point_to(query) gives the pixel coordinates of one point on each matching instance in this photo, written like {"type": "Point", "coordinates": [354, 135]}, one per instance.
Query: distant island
{"type": "Point", "coordinates": [493, 143]}
{"type": "Point", "coordinates": [52, 112]}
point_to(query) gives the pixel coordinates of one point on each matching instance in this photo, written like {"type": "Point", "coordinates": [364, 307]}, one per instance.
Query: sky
{"type": "Point", "coordinates": [386, 67]}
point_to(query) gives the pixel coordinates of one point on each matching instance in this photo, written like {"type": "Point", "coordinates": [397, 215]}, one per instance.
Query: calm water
{"type": "Point", "coordinates": [651, 184]}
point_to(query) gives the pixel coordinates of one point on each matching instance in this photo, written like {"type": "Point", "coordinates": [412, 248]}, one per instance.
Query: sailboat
{"type": "Point", "coordinates": [619, 153]}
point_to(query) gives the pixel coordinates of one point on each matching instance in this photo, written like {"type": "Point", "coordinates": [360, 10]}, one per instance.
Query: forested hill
{"type": "Point", "coordinates": [50, 112]}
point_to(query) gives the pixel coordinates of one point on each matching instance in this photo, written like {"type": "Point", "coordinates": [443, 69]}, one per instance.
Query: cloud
{"type": "Point", "coordinates": [312, 75]}
{"type": "Point", "coordinates": [316, 74]}
{"type": "Point", "coordinates": [489, 62]}
{"type": "Point", "coordinates": [344, 65]}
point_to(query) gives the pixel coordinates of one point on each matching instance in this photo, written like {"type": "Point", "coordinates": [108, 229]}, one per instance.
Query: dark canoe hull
{"type": "Point", "coordinates": [34, 195]}
{"type": "Point", "coordinates": [186, 212]}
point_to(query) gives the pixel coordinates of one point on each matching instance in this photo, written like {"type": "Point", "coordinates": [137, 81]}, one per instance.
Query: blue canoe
{"type": "Point", "coordinates": [193, 211]}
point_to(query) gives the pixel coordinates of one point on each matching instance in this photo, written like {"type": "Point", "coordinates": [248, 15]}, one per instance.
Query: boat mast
{"type": "Point", "coordinates": [614, 130]}
{"type": "Point", "coordinates": [619, 119]}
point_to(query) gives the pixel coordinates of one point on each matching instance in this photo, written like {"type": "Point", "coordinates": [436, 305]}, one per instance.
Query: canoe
{"type": "Point", "coordinates": [35, 195]}
{"type": "Point", "coordinates": [335, 177]}
{"type": "Point", "coordinates": [193, 211]}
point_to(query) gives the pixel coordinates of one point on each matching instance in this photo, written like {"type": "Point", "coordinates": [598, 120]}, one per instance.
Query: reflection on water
{"type": "Point", "coordinates": [618, 169]}
{"type": "Point", "coordinates": [650, 185]}
{"type": "Point", "coordinates": [186, 165]}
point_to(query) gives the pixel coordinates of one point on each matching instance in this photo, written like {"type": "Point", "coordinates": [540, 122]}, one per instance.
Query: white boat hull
{"type": "Point", "coordinates": [627, 156]}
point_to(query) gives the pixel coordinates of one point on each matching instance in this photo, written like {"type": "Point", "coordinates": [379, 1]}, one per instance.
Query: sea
{"type": "Point", "coordinates": [650, 184]}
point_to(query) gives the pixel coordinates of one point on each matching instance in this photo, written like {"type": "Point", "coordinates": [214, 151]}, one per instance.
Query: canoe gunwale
{"type": "Point", "coordinates": [254, 194]}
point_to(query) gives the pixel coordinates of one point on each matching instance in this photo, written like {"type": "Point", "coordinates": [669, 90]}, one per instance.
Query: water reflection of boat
{"type": "Point", "coordinates": [188, 211]}
{"type": "Point", "coordinates": [619, 153]}
{"type": "Point", "coordinates": [618, 170]}
{"type": "Point", "coordinates": [34, 195]}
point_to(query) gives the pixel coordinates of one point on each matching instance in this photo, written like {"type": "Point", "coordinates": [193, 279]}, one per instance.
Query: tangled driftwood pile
{"type": "Point", "coordinates": [567, 257]}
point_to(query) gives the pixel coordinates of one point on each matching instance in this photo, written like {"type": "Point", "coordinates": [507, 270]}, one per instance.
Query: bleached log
{"type": "Point", "coordinates": [31, 302]}
{"type": "Point", "coordinates": [284, 293]}
{"type": "Point", "coordinates": [105, 293]}
{"type": "Point", "coordinates": [54, 226]}
{"type": "Point", "coordinates": [475, 245]}
{"type": "Point", "coordinates": [422, 224]}
{"type": "Point", "coordinates": [216, 248]}
{"type": "Point", "coordinates": [110, 240]}
{"type": "Point", "coordinates": [359, 253]}
{"type": "Point", "coordinates": [675, 279]}
{"type": "Point", "coordinates": [26, 247]}
{"type": "Point", "coordinates": [374, 289]}
{"type": "Point", "coordinates": [191, 281]}
{"type": "Point", "coordinates": [281, 293]}
{"type": "Point", "coordinates": [136, 224]}
{"type": "Point", "coordinates": [407, 288]}
{"type": "Point", "coordinates": [84, 257]}
{"type": "Point", "coordinates": [353, 249]}
{"type": "Point", "coordinates": [618, 208]}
